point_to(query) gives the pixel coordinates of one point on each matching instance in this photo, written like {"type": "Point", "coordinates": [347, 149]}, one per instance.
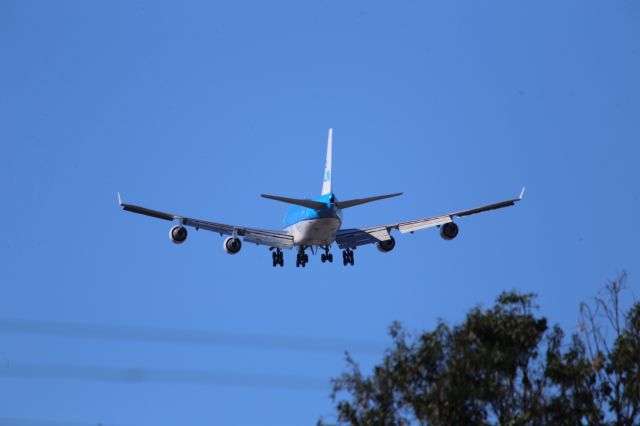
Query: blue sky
{"type": "Point", "coordinates": [198, 108]}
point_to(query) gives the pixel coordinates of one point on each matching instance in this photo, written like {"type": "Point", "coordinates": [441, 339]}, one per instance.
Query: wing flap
{"type": "Point", "coordinates": [251, 235]}
{"type": "Point", "coordinates": [210, 226]}
{"type": "Point", "coordinates": [268, 238]}
{"type": "Point", "coordinates": [416, 225]}
{"type": "Point", "coordinates": [351, 238]}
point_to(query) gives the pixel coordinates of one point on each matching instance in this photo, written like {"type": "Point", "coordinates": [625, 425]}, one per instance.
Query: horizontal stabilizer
{"type": "Point", "coordinates": [304, 203]}
{"type": "Point", "coordinates": [358, 201]}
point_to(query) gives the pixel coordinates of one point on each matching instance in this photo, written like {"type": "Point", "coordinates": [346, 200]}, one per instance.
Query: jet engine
{"type": "Point", "coordinates": [387, 245]}
{"type": "Point", "coordinates": [232, 245]}
{"type": "Point", "coordinates": [178, 234]}
{"type": "Point", "coordinates": [449, 231]}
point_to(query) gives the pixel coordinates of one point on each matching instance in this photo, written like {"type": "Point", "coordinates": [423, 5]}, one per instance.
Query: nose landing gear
{"type": "Point", "coordinates": [347, 257]}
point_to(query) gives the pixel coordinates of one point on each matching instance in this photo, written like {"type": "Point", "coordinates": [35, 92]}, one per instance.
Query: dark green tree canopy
{"type": "Point", "coordinates": [503, 366]}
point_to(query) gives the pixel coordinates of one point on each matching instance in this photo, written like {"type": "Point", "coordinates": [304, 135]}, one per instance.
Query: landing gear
{"type": "Point", "coordinates": [326, 256]}
{"type": "Point", "coordinates": [302, 258]}
{"type": "Point", "coordinates": [278, 258]}
{"type": "Point", "coordinates": [347, 257]}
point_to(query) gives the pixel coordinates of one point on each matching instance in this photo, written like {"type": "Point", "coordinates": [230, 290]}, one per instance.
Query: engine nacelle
{"type": "Point", "coordinates": [232, 245]}
{"type": "Point", "coordinates": [387, 245]}
{"type": "Point", "coordinates": [178, 234]}
{"type": "Point", "coordinates": [449, 231]}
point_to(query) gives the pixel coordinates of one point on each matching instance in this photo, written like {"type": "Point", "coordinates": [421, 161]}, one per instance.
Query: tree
{"type": "Point", "coordinates": [502, 365]}
{"type": "Point", "coordinates": [616, 359]}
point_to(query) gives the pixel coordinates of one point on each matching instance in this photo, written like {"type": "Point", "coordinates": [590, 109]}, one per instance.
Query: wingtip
{"type": "Point", "coordinates": [119, 199]}
{"type": "Point", "coordinates": [522, 193]}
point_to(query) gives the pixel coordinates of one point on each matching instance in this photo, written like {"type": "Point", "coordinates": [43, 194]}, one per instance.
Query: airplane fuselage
{"type": "Point", "coordinates": [314, 227]}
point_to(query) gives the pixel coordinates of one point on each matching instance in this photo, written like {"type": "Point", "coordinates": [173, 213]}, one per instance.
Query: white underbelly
{"type": "Point", "coordinates": [314, 231]}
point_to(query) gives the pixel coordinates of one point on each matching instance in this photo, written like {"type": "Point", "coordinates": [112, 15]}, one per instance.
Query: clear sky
{"type": "Point", "coordinates": [198, 107]}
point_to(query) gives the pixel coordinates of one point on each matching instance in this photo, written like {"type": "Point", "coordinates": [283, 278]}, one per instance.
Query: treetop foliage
{"type": "Point", "coordinates": [506, 366]}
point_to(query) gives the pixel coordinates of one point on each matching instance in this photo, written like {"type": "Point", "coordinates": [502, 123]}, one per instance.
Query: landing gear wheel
{"type": "Point", "coordinates": [347, 257]}
{"type": "Point", "coordinates": [277, 258]}
{"type": "Point", "coordinates": [301, 260]}
{"type": "Point", "coordinates": [326, 256]}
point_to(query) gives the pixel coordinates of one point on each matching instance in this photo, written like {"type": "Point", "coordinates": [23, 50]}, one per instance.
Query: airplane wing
{"type": "Point", "coordinates": [351, 238]}
{"type": "Point", "coordinates": [252, 235]}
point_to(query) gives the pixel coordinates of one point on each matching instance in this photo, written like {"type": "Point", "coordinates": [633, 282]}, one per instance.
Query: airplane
{"type": "Point", "coordinates": [315, 224]}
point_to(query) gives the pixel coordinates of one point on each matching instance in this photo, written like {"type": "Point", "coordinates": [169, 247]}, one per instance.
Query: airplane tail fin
{"type": "Point", "coordinates": [326, 183]}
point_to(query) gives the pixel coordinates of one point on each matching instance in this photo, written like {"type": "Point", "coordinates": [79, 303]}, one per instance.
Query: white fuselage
{"type": "Point", "coordinates": [314, 232]}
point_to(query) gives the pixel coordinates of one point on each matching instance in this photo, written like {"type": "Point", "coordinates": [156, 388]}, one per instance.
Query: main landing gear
{"type": "Point", "coordinates": [347, 257]}
{"type": "Point", "coordinates": [326, 256]}
{"type": "Point", "coordinates": [302, 258]}
{"type": "Point", "coordinates": [278, 258]}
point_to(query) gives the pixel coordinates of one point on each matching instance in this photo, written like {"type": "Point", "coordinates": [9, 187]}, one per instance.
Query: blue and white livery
{"type": "Point", "coordinates": [315, 224]}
